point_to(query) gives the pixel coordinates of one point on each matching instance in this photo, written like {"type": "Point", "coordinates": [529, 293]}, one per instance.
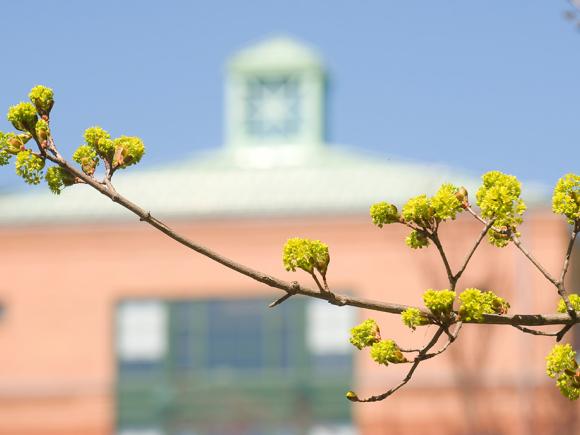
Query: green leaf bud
{"type": "Point", "coordinates": [365, 334]}
{"type": "Point", "coordinates": [86, 156]}
{"type": "Point", "coordinates": [23, 117]}
{"type": "Point", "coordinates": [418, 210]}
{"type": "Point", "coordinates": [574, 301]}
{"type": "Point", "coordinates": [14, 143]}
{"type": "Point", "coordinates": [446, 203]}
{"type": "Point", "coordinates": [42, 98]}
{"type": "Point", "coordinates": [387, 351]}
{"type": "Point", "coordinates": [566, 197]}
{"type": "Point", "coordinates": [128, 151]}
{"type": "Point", "coordinates": [100, 141]}
{"type": "Point", "coordinates": [413, 317]}
{"type": "Point", "coordinates": [499, 199]}
{"type": "Point", "coordinates": [561, 365]}
{"type": "Point", "coordinates": [42, 130]}
{"type": "Point", "coordinates": [383, 213]}
{"type": "Point", "coordinates": [439, 302]}
{"type": "Point", "coordinates": [417, 240]}
{"type": "Point", "coordinates": [351, 395]}
{"type": "Point", "coordinates": [475, 303]}
{"type": "Point", "coordinates": [29, 166]}
{"type": "Point", "coordinates": [57, 178]}
{"type": "Point", "coordinates": [462, 196]}
{"type": "Point", "coordinates": [306, 254]}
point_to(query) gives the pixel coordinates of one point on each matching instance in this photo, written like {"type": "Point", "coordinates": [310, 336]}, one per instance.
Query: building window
{"type": "Point", "coordinates": [213, 336]}
{"type": "Point", "coordinates": [223, 366]}
{"type": "Point", "coordinates": [273, 107]}
{"type": "Point", "coordinates": [141, 334]}
{"type": "Point", "coordinates": [328, 336]}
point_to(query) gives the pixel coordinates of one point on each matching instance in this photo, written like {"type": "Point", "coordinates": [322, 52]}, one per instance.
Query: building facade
{"type": "Point", "coordinates": [109, 327]}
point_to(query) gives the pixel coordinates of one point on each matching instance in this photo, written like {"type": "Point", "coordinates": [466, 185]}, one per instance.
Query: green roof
{"type": "Point", "coordinates": [328, 181]}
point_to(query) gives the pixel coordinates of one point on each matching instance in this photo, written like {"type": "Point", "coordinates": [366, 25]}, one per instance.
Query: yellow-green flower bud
{"type": "Point", "coordinates": [23, 117]}
{"type": "Point", "coordinates": [4, 154]}
{"type": "Point", "coordinates": [566, 197]}
{"type": "Point", "coordinates": [497, 238]}
{"type": "Point", "coordinates": [306, 254]}
{"type": "Point", "coordinates": [42, 130]}
{"type": "Point", "coordinates": [574, 301]}
{"type": "Point", "coordinates": [475, 303]}
{"type": "Point", "coordinates": [417, 240]}
{"type": "Point", "coordinates": [100, 141]}
{"type": "Point", "coordinates": [439, 302]}
{"type": "Point", "coordinates": [413, 317]}
{"type": "Point", "coordinates": [42, 98]}
{"type": "Point", "coordinates": [57, 178]}
{"type": "Point", "coordinates": [87, 157]}
{"type": "Point", "coordinates": [128, 151]}
{"type": "Point", "coordinates": [29, 166]}
{"type": "Point", "coordinates": [499, 199]}
{"type": "Point", "coordinates": [365, 334]}
{"type": "Point", "coordinates": [387, 351]}
{"type": "Point", "coordinates": [383, 213]}
{"type": "Point", "coordinates": [561, 365]}
{"type": "Point", "coordinates": [445, 202]}
{"type": "Point", "coordinates": [418, 210]}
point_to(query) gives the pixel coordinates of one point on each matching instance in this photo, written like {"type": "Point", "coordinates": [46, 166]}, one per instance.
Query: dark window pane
{"type": "Point", "coordinates": [182, 338]}
{"type": "Point", "coordinates": [235, 334]}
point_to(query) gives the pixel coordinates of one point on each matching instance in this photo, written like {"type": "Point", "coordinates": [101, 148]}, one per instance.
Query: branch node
{"type": "Point", "coordinates": [337, 300]}
{"type": "Point", "coordinates": [294, 287]}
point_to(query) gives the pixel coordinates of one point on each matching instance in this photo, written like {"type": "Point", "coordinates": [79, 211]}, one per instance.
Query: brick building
{"type": "Point", "coordinates": [110, 327]}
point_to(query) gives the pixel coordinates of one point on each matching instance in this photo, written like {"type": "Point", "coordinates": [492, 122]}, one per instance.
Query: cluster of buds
{"type": "Point", "coordinates": [366, 334]}
{"type": "Point", "coordinates": [30, 118]}
{"type": "Point", "coordinates": [422, 213]}
{"type": "Point", "coordinates": [475, 303]}
{"type": "Point", "coordinates": [566, 198]}
{"type": "Point", "coordinates": [561, 365]}
{"type": "Point", "coordinates": [413, 317]}
{"type": "Point", "coordinates": [305, 254]}
{"type": "Point", "coordinates": [439, 302]}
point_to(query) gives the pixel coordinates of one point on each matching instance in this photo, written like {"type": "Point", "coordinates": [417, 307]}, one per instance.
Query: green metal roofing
{"type": "Point", "coordinates": [327, 181]}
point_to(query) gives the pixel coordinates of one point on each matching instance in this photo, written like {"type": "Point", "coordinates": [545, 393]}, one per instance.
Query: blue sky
{"type": "Point", "coordinates": [477, 85]}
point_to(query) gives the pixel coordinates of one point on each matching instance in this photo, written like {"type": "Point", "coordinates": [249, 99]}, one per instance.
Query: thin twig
{"type": "Point", "coordinates": [435, 238]}
{"type": "Point", "coordinates": [409, 375]}
{"type": "Point", "coordinates": [475, 215]}
{"type": "Point", "coordinates": [535, 331]}
{"type": "Point", "coordinates": [569, 251]}
{"type": "Point", "coordinates": [317, 282]}
{"type": "Point", "coordinates": [473, 249]}
{"type": "Point", "coordinates": [533, 260]}
{"type": "Point", "coordinates": [452, 337]}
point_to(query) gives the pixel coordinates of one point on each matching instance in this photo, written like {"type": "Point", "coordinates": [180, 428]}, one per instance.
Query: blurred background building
{"type": "Point", "coordinates": [108, 327]}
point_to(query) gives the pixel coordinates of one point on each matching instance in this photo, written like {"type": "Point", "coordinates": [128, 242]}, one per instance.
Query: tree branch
{"type": "Point", "coordinates": [473, 249]}
{"type": "Point", "coordinates": [292, 287]}
{"type": "Point", "coordinates": [410, 373]}
{"type": "Point", "coordinates": [533, 260]}
{"type": "Point", "coordinates": [452, 281]}
{"type": "Point", "coordinates": [569, 251]}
